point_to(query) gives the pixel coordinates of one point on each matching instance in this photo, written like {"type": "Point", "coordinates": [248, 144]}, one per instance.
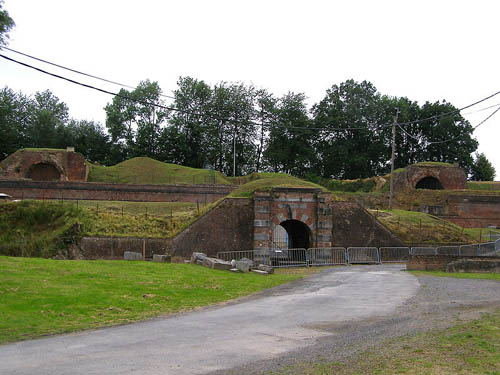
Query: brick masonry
{"type": "Point", "coordinates": [51, 165]}
{"type": "Point", "coordinates": [450, 177]}
{"type": "Point", "coordinates": [26, 189]}
{"type": "Point", "coordinates": [307, 206]}
{"type": "Point", "coordinates": [354, 226]}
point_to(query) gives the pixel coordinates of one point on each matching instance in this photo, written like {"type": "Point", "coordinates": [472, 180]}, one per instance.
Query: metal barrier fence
{"type": "Point", "coordinates": [327, 256]}
{"type": "Point", "coordinates": [394, 254]}
{"type": "Point", "coordinates": [363, 255]}
{"type": "Point", "coordinates": [288, 258]}
{"type": "Point", "coordinates": [423, 251]}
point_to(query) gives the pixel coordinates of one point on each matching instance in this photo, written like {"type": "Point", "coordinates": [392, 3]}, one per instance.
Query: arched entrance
{"type": "Point", "coordinates": [430, 183]}
{"type": "Point", "coordinates": [291, 234]}
{"type": "Point", "coordinates": [43, 172]}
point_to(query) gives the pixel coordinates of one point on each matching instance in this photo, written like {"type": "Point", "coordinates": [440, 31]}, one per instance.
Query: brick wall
{"type": "Point", "coordinates": [25, 189]}
{"type": "Point", "coordinates": [114, 247]}
{"type": "Point", "coordinates": [474, 211]}
{"type": "Point", "coordinates": [227, 227]}
{"type": "Point", "coordinates": [354, 226]}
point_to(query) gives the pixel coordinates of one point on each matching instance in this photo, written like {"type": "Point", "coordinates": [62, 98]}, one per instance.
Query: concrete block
{"type": "Point", "coordinates": [131, 255]}
{"type": "Point", "coordinates": [162, 258]}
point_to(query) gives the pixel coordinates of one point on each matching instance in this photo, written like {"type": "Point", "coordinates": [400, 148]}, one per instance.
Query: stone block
{"type": "Point", "coordinates": [260, 272]}
{"type": "Point", "coordinates": [162, 258]}
{"type": "Point", "coordinates": [265, 268]}
{"type": "Point", "coordinates": [131, 255]}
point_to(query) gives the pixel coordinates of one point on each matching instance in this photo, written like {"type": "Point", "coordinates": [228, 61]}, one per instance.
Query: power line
{"type": "Point", "coordinates": [77, 71]}
{"type": "Point", "coordinates": [233, 121]}
{"type": "Point", "coordinates": [454, 138]}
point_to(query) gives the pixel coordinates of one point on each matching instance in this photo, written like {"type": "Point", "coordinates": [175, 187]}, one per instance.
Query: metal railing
{"type": "Point", "coordinates": [394, 254]}
{"type": "Point", "coordinates": [330, 256]}
{"type": "Point", "coordinates": [363, 255]}
{"type": "Point", "coordinates": [327, 256]}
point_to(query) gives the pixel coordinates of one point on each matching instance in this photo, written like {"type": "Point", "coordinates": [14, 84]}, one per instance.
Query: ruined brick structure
{"type": "Point", "coordinates": [45, 165]}
{"type": "Point", "coordinates": [431, 176]}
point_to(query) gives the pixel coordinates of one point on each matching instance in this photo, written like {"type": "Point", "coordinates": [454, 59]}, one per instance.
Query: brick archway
{"type": "Point", "coordinates": [304, 213]}
{"type": "Point", "coordinates": [429, 182]}
{"type": "Point", "coordinates": [44, 172]}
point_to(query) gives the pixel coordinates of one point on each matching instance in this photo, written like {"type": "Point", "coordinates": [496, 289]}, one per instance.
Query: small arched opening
{"type": "Point", "coordinates": [43, 172]}
{"type": "Point", "coordinates": [291, 234]}
{"type": "Point", "coordinates": [430, 183]}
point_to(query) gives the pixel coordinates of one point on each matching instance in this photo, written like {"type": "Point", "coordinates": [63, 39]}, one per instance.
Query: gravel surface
{"type": "Point", "coordinates": [439, 303]}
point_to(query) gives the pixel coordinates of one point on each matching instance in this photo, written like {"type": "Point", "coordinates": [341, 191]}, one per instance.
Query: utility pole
{"type": "Point", "coordinates": [234, 152]}
{"type": "Point", "coordinates": [395, 121]}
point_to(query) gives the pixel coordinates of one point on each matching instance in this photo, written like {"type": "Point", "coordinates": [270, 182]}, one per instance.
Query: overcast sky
{"type": "Point", "coordinates": [424, 50]}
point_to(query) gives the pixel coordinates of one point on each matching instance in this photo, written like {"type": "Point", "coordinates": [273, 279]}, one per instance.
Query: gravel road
{"type": "Point", "coordinates": [331, 315]}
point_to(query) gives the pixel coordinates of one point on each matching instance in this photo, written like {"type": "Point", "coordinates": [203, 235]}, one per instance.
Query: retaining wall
{"type": "Point", "coordinates": [114, 247]}
{"type": "Point", "coordinates": [354, 226]}
{"type": "Point", "coordinates": [27, 189]}
{"type": "Point", "coordinates": [440, 262]}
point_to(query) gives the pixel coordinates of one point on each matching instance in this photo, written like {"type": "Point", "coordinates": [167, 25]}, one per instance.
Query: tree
{"type": "Point", "coordinates": [290, 146]}
{"type": "Point", "coordinates": [6, 24]}
{"type": "Point", "coordinates": [47, 118]}
{"type": "Point", "coordinates": [14, 121]}
{"type": "Point", "coordinates": [482, 169]}
{"type": "Point", "coordinates": [89, 138]}
{"type": "Point", "coordinates": [134, 120]}
{"type": "Point", "coordinates": [352, 144]}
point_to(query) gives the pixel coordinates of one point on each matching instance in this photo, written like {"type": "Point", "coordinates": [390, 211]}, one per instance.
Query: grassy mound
{"type": "Point", "coordinates": [43, 296]}
{"type": "Point", "coordinates": [149, 171]}
{"type": "Point", "coordinates": [39, 229]}
{"type": "Point", "coordinates": [418, 227]}
{"type": "Point", "coordinates": [48, 228]}
{"type": "Point", "coordinates": [267, 181]}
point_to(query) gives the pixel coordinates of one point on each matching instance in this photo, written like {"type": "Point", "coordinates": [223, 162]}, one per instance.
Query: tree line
{"type": "Point", "coordinates": [347, 135]}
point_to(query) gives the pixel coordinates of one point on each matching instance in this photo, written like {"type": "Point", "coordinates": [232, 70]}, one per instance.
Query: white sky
{"type": "Point", "coordinates": [424, 50]}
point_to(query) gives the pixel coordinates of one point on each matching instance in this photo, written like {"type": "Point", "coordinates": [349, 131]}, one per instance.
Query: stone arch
{"type": "Point", "coordinates": [292, 234]}
{"type": "Point", "coordinates": [429, 182]}
{"type": "Point", "coordinates": [44, 172]}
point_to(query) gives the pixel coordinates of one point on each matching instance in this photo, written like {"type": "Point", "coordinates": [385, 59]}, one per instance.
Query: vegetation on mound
{"type": "Point", "coordinates": [43, 296]}
{"type": "Point", "coordinates": [48, 228]}
{"type": "Point", "coordinates": [468, 348]}
{"type": "Point", "coordinates": [268, 181]}
{"type": "Point", "coordinates": [143, 170]}
{"type": "Point", "coordinates": [418, 227]}
{"type": "Point", "coordinates": [484, 185]}
{"type": "Point", "coordinates": [39, 229]}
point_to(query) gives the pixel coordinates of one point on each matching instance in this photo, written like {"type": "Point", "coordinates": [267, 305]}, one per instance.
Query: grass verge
{"type": "Point", "coordinates": [459, 275]}
{"type": "Point", "coordinates": [468, 348]}
{"type": "Point", "coordinates": [43, 297]}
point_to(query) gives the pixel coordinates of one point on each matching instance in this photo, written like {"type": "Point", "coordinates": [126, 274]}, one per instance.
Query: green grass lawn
{"type": "Point", "coordinates": [42, 296]}
{"type": "Point", "coordinates": [470, 348]}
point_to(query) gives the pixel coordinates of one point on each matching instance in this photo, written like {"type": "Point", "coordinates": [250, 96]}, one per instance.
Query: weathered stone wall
{"type": "Point", "coordinates": [439, 262]}
{"type": "Point", "coordinates": [23, 189]}
{"type": "Point", "coordinates": [71, 166]}
{"type": "Point", "coordinates": [227, 227]}
{"type": "Point", "coordinates": [114, 247]}
{"type": "Point", "coordinates": [354, 226]}
{"type": "Point", "coordinates": [450, 177]}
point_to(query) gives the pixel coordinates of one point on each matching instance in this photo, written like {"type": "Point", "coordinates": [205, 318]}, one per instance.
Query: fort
{"type": "Point", "coordinates": [294, 217]}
